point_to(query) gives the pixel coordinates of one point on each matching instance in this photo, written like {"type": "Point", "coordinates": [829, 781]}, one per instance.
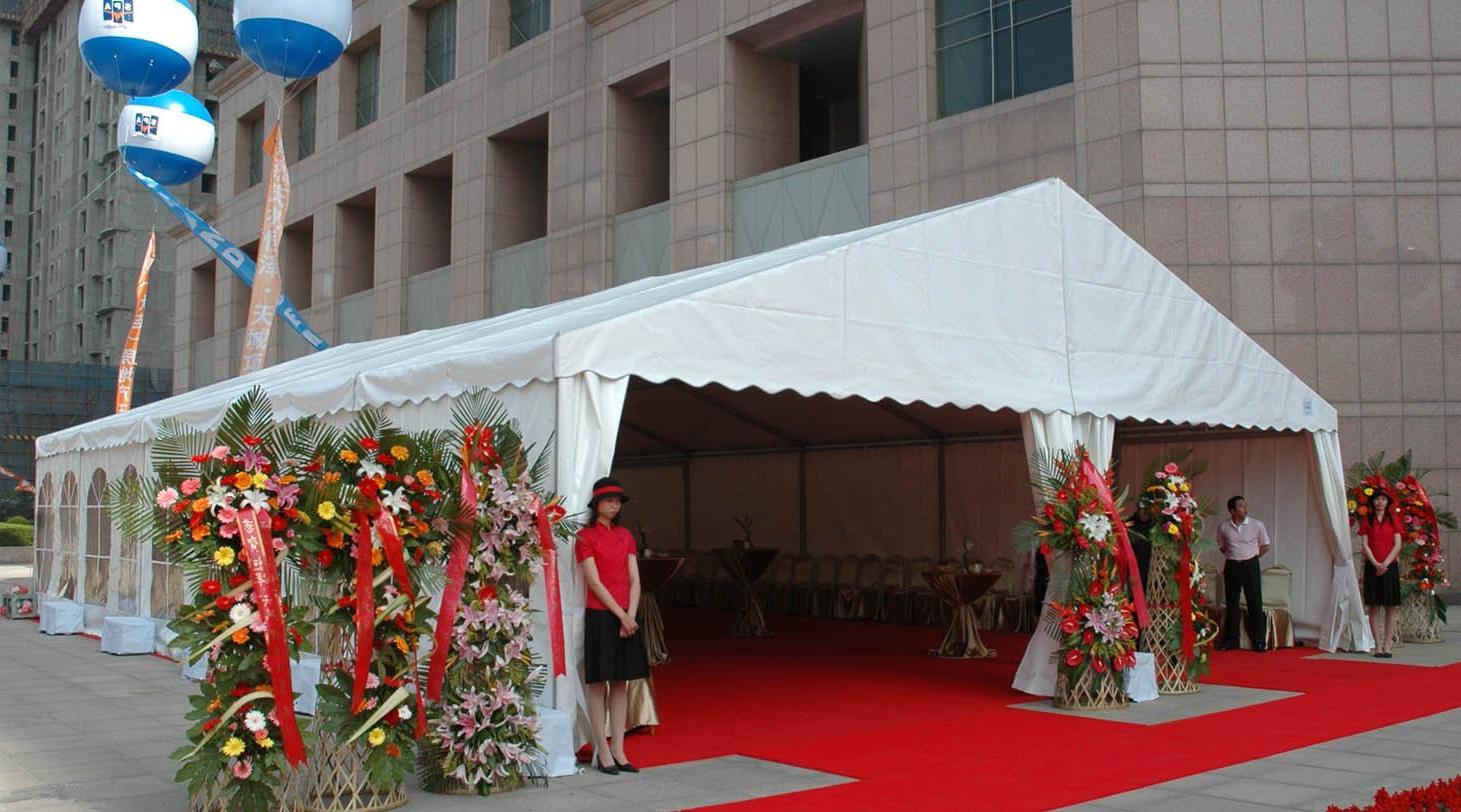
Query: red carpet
{"type": "Point", "coordinates": [865, 701]}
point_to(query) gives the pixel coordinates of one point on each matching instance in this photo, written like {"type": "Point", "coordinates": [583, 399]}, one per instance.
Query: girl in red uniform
{"type": "Point", "coordinates": [1382, 573]}
{"type": "Point", "coordinates": [613, 648]}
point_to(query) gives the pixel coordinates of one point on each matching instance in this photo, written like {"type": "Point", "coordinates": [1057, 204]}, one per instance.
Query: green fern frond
{"type": "Point", "coordinates": [129, 501]}
{"type": "Point", "coordinates": [478, 407]}
{"type": "Point", "coordinates": [174, 448]}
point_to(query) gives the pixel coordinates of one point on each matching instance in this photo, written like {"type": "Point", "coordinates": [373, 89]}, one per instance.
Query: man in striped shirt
{"type": "Point", "coordinates": [1243, 540]}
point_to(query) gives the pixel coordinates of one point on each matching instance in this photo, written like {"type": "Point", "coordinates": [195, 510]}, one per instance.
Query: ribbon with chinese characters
{"type": "Point", "coordinates": [476, 447]}
{"type": "Point", "coordinates": [546, 516]}
{"type": "Point", "coordinates": [364, 609]}
{"type": "Point", "coordinates": [253, 533]}
{"type": "Point", "coordinates": [1125, 555]}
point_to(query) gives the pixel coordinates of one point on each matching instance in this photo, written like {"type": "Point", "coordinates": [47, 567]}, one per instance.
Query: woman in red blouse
{"type": "Point", "coordinates": [1381, 532]}
{"type": "Point", "coordinates": [613, 648]}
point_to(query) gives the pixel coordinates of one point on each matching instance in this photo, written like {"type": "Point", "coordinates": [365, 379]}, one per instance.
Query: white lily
{"type": "Point", "coordinates": [370, 469]}
{"type": "Point", "coordinates": [257, 500]}
{"type": "Point", "coordinates": [396, 501]}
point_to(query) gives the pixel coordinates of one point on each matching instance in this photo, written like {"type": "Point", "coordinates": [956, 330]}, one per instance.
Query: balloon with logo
{"type": "Point", "coordinates": [138, 47]}
{"type": "Point", "coordinates": [168, 137]}
{"type": "Point", "coordinates": [291, 38]}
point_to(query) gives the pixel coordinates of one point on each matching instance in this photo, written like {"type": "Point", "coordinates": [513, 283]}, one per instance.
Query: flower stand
{"type": "Point", "coordinates": [1418, 621]}
{"type": "Point", "coordinates": [1091, 691]}
{"type": "Point", "coordinates": [18, 603]}
{"type": "Point", "coordinates": [1162, 636]}
{"type": "Point", "coordinates": [335, 780]}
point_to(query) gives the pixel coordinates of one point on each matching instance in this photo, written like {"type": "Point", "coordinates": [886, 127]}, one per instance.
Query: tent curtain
{"type": "Point", "coordinates": [589, 408]}
{"type": "Point", "coordinates": [1048, 433]}
{"type": "Point", "coordinates": [1343, 626]}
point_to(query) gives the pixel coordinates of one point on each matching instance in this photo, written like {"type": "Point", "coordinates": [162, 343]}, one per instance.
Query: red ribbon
{"type": "Point", "coordinates": [1125, 555]}
{"type": "Point", "coordinates": [259, 552]}
{"type": "Point", "coordinates": [395, 551]}
{"type": "Point", "coordinates": [1185, 591]}
{"type": "Point", "coordinates": [364, 609]}
{"type": "Point", "coordinates": [456, 567]}
{"type": "Point", "coordinates": [550, 585]}
{"type": "Point", "coordinates": [1434, 528]}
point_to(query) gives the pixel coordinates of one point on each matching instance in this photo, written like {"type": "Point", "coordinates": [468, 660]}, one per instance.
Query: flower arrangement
{"type": "Point", "coordinates": [1100, 615]}
{"type": "Point", "coordinates": [225, 506]}
{"type": "Point", "coordinates": [1439, 795]}
{"type": "Point", "coordinates": [484, 734]}
{"type": "Point", "coordinates": [384, 522]}
{"type": "Point", "coordinates": [1176, 532]}
{"type": "Point", "coordinates": [17, 603]}
{"type": "Point", "coordinates": [1420, 522]}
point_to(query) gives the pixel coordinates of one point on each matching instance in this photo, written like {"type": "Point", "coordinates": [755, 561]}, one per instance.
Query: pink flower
{"type": "Point", "coordinates": [242, 770]}
{"type": "Point", "coordinates": [1170, 468]}
{"type": "Point", "coordinates": [219, 452]}
{"type": "Point", "coordinates": [190, 486]}
{"type": "Point", "coordinates": [167, 497]}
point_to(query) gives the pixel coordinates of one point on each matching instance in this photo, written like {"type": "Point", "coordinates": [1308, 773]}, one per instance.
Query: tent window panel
{"type": "Point", "coordinates": [45, 541]}
{"type": "Point", "coordinates": [167, 585]}
{"type": "Point", "coordinates": [988, 51]}
{"type": "Point", "coordinates": [127, 569]}
{"type": "Point", "coordinates": [441, 45]}
{"type": "Point", "coordinates": [67, 544]}
{"type": "Point", "coordinates": [98, 541]}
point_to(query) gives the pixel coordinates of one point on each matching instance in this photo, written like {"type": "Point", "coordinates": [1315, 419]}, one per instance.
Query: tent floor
{"type": "Point", "coordinates": [864, 700]}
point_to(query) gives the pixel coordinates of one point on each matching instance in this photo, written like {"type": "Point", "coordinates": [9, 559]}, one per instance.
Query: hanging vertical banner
{"type": "Point", "coordinates": [264, 297]}
{"type": "Point", "coordinates": [127, 368]}
{"type": "Point", "coordinates": [229, 254]}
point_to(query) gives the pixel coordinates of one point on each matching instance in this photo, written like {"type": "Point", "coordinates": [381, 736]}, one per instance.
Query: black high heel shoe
{"type": "Point", "coordinates": [613, 770]}
{"type": "Point", "coordinates": [625, 767]}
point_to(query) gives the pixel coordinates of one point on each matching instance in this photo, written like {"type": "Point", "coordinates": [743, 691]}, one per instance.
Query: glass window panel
{"type": "Point", "coordinates": [307, 120]}
{"type": "Point", "coordinates": [1043, 55]}
{"type": "Point", "coordinates": [441, 45]}
{"type": "Point", "coordinates": [366, 82]}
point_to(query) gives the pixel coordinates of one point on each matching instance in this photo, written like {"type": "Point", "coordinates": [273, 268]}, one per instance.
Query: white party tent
{"type": "Point", "coordinates": [905, 370]}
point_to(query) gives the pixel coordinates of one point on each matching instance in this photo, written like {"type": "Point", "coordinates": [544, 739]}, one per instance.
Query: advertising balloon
{"type": "Point", "coordinates": [168, 138]}
{"type": "Point", "coordinates": [138, 47]}
{"type": "Point", "coordinates": [291, 38]}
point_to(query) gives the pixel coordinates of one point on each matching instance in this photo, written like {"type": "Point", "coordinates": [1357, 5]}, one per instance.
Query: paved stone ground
{"type": "Point", "coordinates": [1341, 771]}
{"type": "Point", "coordinates": [82, 730]}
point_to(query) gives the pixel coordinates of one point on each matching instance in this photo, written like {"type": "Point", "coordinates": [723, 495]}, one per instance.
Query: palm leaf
{"type": "Point", "coordinates": [174, 448]}
{"type": "Point", "coordinates": [129, 501]}
{"type": "Point", "coordinates": [301, 441]}
{"type": "Point", "coordinates": [249, 415]}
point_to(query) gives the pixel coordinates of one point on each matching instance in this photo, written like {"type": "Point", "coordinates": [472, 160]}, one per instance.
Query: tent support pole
{"type": "Point", "coordinates": [801, 464]}
{"type": "Point", "coordinates": [943, 501]}
{"type": "Point", "coordinates": [685, 496]}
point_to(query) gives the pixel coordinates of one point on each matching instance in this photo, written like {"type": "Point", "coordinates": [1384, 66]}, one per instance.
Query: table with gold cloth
{"type": "Point", "coordinates": [960, 590]}
{"type": "Point", "coordinates": [654, 572]}
{"type": "Point", "coordinates": [745, 566]}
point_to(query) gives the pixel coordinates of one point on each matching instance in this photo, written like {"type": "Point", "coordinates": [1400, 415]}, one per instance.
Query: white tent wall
{"type": "Point", "coordinates": [1274, 474]}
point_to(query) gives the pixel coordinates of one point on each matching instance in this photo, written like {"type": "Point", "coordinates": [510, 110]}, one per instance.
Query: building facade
{"type": "Point", "coordinates": [18, 64]}
{"type": "Point", "coordinates": [88, 220]}
{"type": "Point", "coordinates": [1297, 163]}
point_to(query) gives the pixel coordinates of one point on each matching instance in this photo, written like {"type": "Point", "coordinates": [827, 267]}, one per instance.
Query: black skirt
{"type": "Point", "coordinates": [607, 657]}
{"type": "Point", "coordinates": [1382, 590]}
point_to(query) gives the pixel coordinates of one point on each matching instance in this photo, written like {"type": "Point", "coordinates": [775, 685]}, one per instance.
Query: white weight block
{"type": "Point", "coordinates": [127, 635]}
{"type": "Point", "coordinates": [1141, 679]}
{"type": "Point", "coordinates": [555, 733]}
{"type": "Point", "coordinates": [60, 616]}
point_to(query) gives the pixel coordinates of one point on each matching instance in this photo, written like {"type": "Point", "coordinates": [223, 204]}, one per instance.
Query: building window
{"type": "Point", "coordinates": [4, 324]}
{"type": "Point", "coordinates": [441, 44]}
{"type": "Point", "coordinates": [10, 164]}
{"type": "Point", "coordinates": [4, 293]}
{"type": "Point", "coordinates": [992, 50]}
{"type": "Point", "coordinates": [14, 70]}
{"type": "Point", "coordinates": [306, 136]}
{"type": "Point", "coordinates": [10, 195]}
{"type": "Point", "coordinates": [10, 133]}
{"type": "Point", "coordinates": [256, 150]}
{"type": "Point", "coordinates": [526, 19]}
{"type": "Point", "coordinates": [13, 100]}
{"type": "Point", "coordinates": [367, 85]}
{"type": "Point", "coordinates": [9, 228]}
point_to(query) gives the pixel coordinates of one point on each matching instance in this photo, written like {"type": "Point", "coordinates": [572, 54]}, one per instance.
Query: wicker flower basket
{"type": "Point", "coordinates": [335, 780]}
{"type": "Point", "coordinates": [1091, 691]}
{"type": "Point", "coordinates": [1418, 622]}
{"type": "Point", "coordinates": [1172, 677]}
{"type": "Point", "coordinates": [215, 801]}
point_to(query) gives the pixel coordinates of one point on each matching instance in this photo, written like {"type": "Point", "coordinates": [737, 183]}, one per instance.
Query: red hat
{"type": "Point", "coordinates": [608, 486]}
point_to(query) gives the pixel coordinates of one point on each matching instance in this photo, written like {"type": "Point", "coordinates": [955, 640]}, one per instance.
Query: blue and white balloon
{"type": "Point", "coordinates": [138, 47]}
{"type": "Point", "coordinates": [291, 38]}
{"type": "Point", "coordinates": [168, 138]}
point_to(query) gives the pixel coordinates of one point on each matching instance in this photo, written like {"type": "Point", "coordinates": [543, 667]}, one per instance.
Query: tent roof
{"type": "Point", "coordinates": [1027, 300]}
